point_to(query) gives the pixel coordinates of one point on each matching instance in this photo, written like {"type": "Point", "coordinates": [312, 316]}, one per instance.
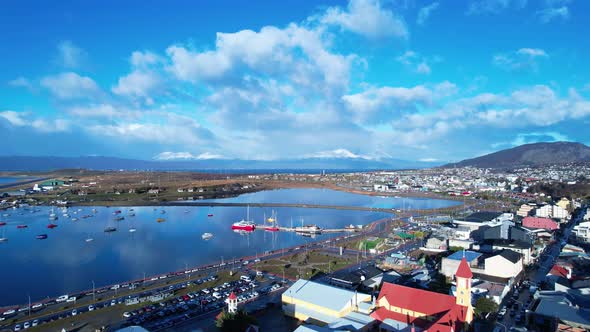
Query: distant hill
{"type": "Point", "coordinates": [27, 163]}
{"type": "Point", "coordinates": [534, 154]}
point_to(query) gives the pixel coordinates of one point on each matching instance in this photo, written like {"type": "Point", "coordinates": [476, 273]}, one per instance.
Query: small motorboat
{"type": "Point", "coordinates": [160, 220]}
{"type": "Point", "coordinates": [89, 239]}
{"type": "Point", "coordinates": [132, 230]}
{"type": "Point", "coordinates": [206, 236]}
{"type": "Point", "coordinates": [41, 236]}
{"type": "Point", "coordinates": [74, 219]}
{"type": "Point", "coordinates": [22, 226]}
{"type": "Point", "coordinates": [119, 218]}
{"type": "Point", "coordinates": [117, 212]}
{"type": "Point", "coordinates": [51, 226]}
{"type": "Point", "coordinates": [110, 229]}
{"type": "Point", "coordinates": [210, 215]}
{"type": "Point", "coordinates": [2, 223]}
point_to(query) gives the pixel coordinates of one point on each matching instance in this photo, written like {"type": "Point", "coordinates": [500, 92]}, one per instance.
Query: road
{"type": "Point", "coordinates": [535, 275]}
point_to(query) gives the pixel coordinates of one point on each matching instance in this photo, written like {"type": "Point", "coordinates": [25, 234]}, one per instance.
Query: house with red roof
{"type": "Point", "coordinates": [402, 308]}
{"type": "Point", "coordinates": [538, 222]}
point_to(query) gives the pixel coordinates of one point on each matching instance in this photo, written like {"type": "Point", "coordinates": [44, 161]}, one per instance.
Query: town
{"type": "Point", "coordinates": [521, 265]}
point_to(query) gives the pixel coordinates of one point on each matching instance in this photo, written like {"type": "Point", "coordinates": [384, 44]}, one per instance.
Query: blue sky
{"type": "Point", "coordinates": [417, 80]}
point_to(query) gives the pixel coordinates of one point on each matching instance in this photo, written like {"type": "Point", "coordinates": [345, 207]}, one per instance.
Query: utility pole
{"type": "Point", "coordinates": [29, 304]}
{"type": "Point", "coordinates": [93, 293]}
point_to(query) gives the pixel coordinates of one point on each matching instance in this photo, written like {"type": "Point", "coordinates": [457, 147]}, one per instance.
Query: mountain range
{"type": "Point", "coordinates": [39, 163]}
{"type": "Point", "coordinates": [534, 154]}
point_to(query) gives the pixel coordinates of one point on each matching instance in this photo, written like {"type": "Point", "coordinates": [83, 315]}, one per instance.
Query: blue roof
{"type": "Point", "coordinates": [322, 295]}
{"type": "Point", "coordinates": [469, 255]}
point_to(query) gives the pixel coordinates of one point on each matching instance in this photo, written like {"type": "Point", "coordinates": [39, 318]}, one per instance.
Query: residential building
{"type": "Point", "coordinates": [521, 247]}
{"type": "Point", "coordinates": [582, 232]}
{"type": "Point", "coordinates": [436, 243]}
{"type": "Point", "coordinates": [450, 264]}
{"type": "Point", "coordinates": [360, 279]}
{"type": "Point", "coordinates": [505, 264]}
{"type": "Point", "coordinates": [564, 203]}
{"type": "Point", "coordinates": [478, 219]}
{"type": "Point", "coordinates": [525, 210]}
{"type": "Point", "coordinates": [402, 308]}
{"type": "Point", "coordinates": [537, 222]}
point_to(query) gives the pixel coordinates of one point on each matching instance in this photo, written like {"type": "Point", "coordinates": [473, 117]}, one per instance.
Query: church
{"type": "Point", "coordinates": [401, 308]}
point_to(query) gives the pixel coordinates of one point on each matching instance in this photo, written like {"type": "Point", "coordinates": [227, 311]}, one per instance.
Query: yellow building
{"type": "Point", "coordinates": [564, 203]}
{"type": "Point", "coordinates": [328, 306]}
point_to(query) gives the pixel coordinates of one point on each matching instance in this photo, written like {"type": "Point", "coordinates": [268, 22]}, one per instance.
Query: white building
{"type": "Point", "coordinates": [478, 219]}
{"type": "Point", "coordinates": [582, 232]}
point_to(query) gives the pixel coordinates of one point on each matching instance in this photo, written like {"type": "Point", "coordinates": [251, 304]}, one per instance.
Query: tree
{"type": "Point", "coordinates": [234, 322]}
{"type": "Point", "coordinates": [483, 305]}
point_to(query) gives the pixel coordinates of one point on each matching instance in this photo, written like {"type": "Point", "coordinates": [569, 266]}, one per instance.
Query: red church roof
{"type": "Point", "coordinates": [464, 271]}
{"type": "Point", "coordinates": [232, 296]}
{"type": "Point", "coordinates": [447, 313]}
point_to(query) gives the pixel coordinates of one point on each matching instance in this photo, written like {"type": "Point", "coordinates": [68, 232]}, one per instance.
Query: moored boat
{"type": "Point", "coordinates": [2, 223]}
{"type": "Point", "coordinates": [206, 236]}
{"type": "Point", "coordinates": [41, 236]}
{"type": "Point", "coordinates": [51, 226]}
{"type": "Point", "coordinates": [243, 225]}
{"type": "Point", "coordinates": [132, 230]}
{"type": "Point", "coordinates": [110, 229]}
{"type": "Point", "coordinates": [160, 220]}
{"type": "Point", "coordinates": [22, 226]}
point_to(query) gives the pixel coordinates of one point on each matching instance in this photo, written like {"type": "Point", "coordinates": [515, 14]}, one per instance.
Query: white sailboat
{"type": "Point", "coordinates": [52, 215]}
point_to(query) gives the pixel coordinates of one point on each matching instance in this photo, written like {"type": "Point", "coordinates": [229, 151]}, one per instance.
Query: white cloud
{"type": "Point", "coordinates": [533, 52]}
{"type": "Point", "coordinates": [524, 59]}
{"type": "Point", "coordinates": [425, 12]}
{"type": "Point", "coordinates": [194, 66]}
{"type": "Point", "coordinates": [14, 118]}
{"type": "Point", "coordinates": [428, 160]}
{"type": "Point", "coordinates": [337, 153]}
{"type": "Point", "coordinates": [20, 119]}
{"type": "Point", "coordinates": [70, 55]}
{"type": "Point", "coordinates": [367, 18]}
{"type": "Point", "coordinates": [536, 106]}
{"type": "Point", "coordinates": [547, 15]}
{"type": "Point", "coordinates": [22, 82]}
{"type": "Point", "coordinates": [533, 137]}
{"type": "Point", "coordinates": [100, 111]}
{"type": "Point", "coordinates": [416, 62]}
{"type": "Point", "coordinates": [423, 68]}
{"type": "Point", "coordinates": [167, 155]}
{"type": "Point", "coordinates": [51, 126]}
{"type": "Point", "coordinates": [70, 85]}
{"type": "Point", "coordinates": [144, 59]}
{"type": "Point", "coordinates": [295, 54]}
{"type": "Point", "coordinates": [494, 6]}
{"type": "Point", "coordinates": [137, 84]}
{"type": "Point", "coordinates": [382, 104]}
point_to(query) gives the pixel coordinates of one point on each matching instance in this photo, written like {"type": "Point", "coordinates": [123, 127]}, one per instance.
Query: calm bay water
{"type": "Point", "coordinates": [6, 180]}
{"type": "Point", "coordinates": [66, 263]}
{"type": "Point", "coordinates": [335, 197]}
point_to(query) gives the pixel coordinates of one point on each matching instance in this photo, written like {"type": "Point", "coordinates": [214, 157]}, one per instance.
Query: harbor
{"type": "Point", "coordinates": [151, 240]}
